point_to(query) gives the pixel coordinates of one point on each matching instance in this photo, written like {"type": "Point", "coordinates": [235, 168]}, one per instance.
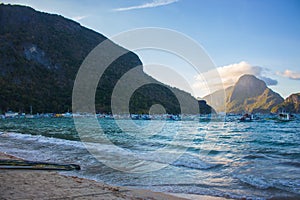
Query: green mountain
{"type": "Point", "coordinates": [249, 94]}
{"type": "Point", "coordinates": [41, 54]}
{"type": "Point", "coordinates": [290, 104]}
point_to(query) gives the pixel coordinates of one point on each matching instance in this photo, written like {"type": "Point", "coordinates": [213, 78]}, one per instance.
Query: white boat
{"type": "Point", "coordinates": [284, 116]}
{"type": "Point", "coordinates": [11, 114]}
{"type": "Point", "coordinates": [146, 117]}
{"type": "Point", "coordinates": [67, 115]}
{"type": "Point", "coordinates": [30, 116]}
{"type": "Point", "coordinates": [135, 116]}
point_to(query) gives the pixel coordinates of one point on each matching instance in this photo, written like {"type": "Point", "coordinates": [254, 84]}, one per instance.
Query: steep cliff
{"type": "Point", "coordinates": [41, 54]}
{"type": "Point", "coordinates": [249, 94]}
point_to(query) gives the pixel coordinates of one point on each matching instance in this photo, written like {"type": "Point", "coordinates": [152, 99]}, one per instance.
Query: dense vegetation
{"type": "Point", "coordinates": [41, 54]}
{"type": "Point", "coordinates": [290, 104]}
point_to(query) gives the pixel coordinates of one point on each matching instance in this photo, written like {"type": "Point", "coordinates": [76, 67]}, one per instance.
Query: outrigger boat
{"type": "Point", "coordinates": [246, 118]}
{"type": "Point", "coordinates": [25, 164]}
{"type": "Point", "coordinates": [285, 117]}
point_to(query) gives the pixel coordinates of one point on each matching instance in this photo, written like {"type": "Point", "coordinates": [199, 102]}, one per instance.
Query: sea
{"type": "Point", "coordinates": [223, 158]}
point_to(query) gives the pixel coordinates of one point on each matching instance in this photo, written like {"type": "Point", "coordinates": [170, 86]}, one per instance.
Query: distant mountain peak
{"type": "Point", "coordinates": [246, 87]}
{"type": "Point", "coordinates": [249, 94]}
{"type": "Point", "coordinates": [250, 80]}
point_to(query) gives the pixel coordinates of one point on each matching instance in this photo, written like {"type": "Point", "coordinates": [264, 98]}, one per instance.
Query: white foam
{"type": "Point", "coordinates": [167, 157]}
{"type": "Point", "coordinates": [42, 139]}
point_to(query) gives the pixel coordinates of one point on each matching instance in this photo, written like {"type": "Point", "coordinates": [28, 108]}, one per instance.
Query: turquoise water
{"type": "Point", "coordinates": [253, 160]}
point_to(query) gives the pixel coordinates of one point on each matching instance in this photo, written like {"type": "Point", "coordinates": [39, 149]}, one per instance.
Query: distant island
{"type": "Point", "coordinates": [251, 95]}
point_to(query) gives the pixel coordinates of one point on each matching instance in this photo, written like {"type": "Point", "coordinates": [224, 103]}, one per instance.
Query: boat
{"type": "Point", "coordinates": [246, 118]}
{"type": "Point", "coordinates": [30, 116]}
{"type": "Point", "coordinates": [284, 116]}
{"type": "Point", "coordinates": [67, 115]}
{"type": "Point", "coordinates": [11, 114]}
{"type": "Point", "coordinates": [146, 117]}
{"type": "Point", "coordinates": [135, 117]}
{"type": "Point", "coordinates": [25, 164]}
{"type": "Point", "coordinates": [173, 117]}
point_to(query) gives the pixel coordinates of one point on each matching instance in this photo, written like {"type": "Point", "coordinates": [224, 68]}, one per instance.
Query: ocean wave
{"type": "Point", "coordinates": [185, 160]}
{"type": "Point", "coordinates": [194, 163]}
{"type": "Point", "coordinates": [258, 182]}
{"type": "Point", "coordinates": [42, 139]}
{"type": "Point", "coordinates": [269, 177]}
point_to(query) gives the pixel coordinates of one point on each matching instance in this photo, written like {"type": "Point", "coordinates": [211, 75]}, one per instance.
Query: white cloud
{"type": "Point", "coordinates": [290, 74]}
{"type": "Point", "coordinates": [231, 73]}
{"type": "Point", "coordinates": [226, 76]}
{"type": "Point", "coordinates": [153, 4]}
{"type": "Point", "coordinates": [78, 18]}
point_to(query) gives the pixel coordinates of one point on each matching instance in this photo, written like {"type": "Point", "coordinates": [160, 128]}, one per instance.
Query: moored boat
{"type": "Point", "coordinates": [11, 114]}
{"type": "Point", "coordinates": [173, 117]}
{"type": "Point", "coordinates": [246, 118]}
{"type": "Point", "coordinates": [284, 116]}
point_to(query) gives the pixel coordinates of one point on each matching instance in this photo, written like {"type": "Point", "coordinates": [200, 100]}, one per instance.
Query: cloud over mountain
{"type": "Point", "coordinates": [229, 75]}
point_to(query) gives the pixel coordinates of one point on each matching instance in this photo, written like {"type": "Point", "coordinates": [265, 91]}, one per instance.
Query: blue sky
{"type": "Point", "coordinates": [261, 37]}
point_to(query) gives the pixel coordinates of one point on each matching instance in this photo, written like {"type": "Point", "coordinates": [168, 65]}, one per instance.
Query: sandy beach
{"type": "Point", "coordinates": [39, 184]}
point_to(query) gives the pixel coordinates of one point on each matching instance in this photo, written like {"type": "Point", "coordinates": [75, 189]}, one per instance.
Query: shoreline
{"type": "Point", "coordinates": [40, 184]}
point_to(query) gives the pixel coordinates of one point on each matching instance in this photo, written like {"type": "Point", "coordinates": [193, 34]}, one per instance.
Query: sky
{"type": "Point", "coordinates": [259, 37]}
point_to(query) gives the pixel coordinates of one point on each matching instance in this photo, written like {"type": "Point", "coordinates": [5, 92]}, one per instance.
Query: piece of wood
{"type": "Point", "coordinates": [25, 164]}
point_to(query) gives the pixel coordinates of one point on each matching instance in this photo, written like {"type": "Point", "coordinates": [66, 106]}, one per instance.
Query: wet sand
{"type": "Point", "coordinates": [40, 184]}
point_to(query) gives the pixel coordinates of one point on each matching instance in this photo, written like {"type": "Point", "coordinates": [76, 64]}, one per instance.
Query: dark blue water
{"type": "Point", "coordinates": [253, 160]}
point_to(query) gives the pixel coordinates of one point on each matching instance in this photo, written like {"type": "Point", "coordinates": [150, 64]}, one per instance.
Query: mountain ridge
{"type": "Point", "coordinates": [41, 54]}
{"type": "Point", "coordinates": [249, 94]}
{"type": "Point", "coordinates": [290, 104]}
